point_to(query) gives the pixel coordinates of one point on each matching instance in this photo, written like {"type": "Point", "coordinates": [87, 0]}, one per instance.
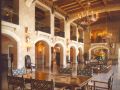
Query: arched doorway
{"type": "Point", "coordinates": [58, 55]}
{"type": "Point", "coordinates": [9, 47]}
{"type": "Point", "coordinates": [42, 55]}
{"type": "Point", "coordinates": [72, 55]}
{"type": "Point", "coordinates": [99, 52]}
{"type": "Point", "coordinates": [79, 56]}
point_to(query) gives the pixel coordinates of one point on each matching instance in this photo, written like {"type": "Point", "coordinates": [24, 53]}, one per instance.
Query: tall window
{"type": "Point", "coordinates": [42, 20]}
{"type": "Point", "coordinates": [73, 32]}
{"type": "Point", "coordinates": [10, 11]}
{"type": "Point", "coordinates": [80, 35]}
{"type": "Point", "coordinates": [59, 27]}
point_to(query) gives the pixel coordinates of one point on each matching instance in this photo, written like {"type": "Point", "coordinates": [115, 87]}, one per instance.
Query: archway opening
{"type": "Point", "coordinates": [99, 54]}
{"type": "Point", "coordinates": [9, 47]}
{"type": "Point", "coordinates": [72, 55]}
{"type": "Point", "coordinates": [58, 55]}
{"type": "Point", "coordinates": [42, 55]}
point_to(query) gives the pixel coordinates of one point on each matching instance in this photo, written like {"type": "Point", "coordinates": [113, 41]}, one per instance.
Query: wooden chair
{"type": "Point", "coordinates": [15, 82]}
{"type": "Point", "coordinates": [41, 85]}
{"type": "Point", "coordinates": [28, 64]}
{"type": "Point", "coordinates": [17, 72]}
{"type": "Point", "coordinates": [99, 85]}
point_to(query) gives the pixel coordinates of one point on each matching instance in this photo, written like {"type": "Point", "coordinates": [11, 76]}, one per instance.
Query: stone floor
{"type": "Point", "coordinates": [104, 76]}
{"type": "Point", "coordinates": [116, 81]}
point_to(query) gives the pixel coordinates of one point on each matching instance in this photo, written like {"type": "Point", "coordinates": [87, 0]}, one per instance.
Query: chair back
{"type": "Point", "coordinates": [27, 61]}
{"type": "Point", "coordinates": [110, 82]}
{"type": "Point", "coordinates": [15, 81]}
{"type": "Point", "coordinates": [41, 85]}
{"type": "Point", "coordinates": [16, 72]}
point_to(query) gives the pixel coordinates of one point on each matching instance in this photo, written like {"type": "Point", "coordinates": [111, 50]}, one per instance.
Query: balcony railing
{"type": "Point", "coordinates": [80, 40]}
{"type": "Point", "coordinates": [9, 15]}
{"type": "Point", "coordinates": [60, 33]}
{"type": "Point", "coordinates": [41, 27]}
{"type": "Point", "coordinates": [98, 41]}
{"type": "Point", "coordinates": [73, 38]}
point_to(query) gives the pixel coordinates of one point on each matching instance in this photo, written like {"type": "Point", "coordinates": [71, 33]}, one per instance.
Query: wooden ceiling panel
{"type": "Point", "coordinates": [67, 5]}
{"type": "Point", "coordinates": [75, 10]}
{"type": "Point", "coordinates": [73, 7]}
{"type": "Point", "coordinates": [63, 2]}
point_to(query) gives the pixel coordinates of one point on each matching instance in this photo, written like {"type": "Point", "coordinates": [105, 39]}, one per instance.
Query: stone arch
{"type": "Point", "coordinates": [80, 55]}
{"type": "Point", "coordinates": [104, 47]}
{"type": "Point", "coordinates": [73, 53]}
{"type": "Point", "coordinates": [42, 54]}
{"type": "Point", "coordinates": [19, 50]}
{"type": "Point", "coordinates": [49, 44]}
{"type": "Point", "coordinates": [42, 39]}
{"type": "Point", "coordinates": [60, 53]}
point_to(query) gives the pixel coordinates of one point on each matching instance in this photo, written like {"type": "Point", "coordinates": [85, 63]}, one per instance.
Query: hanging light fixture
{"type": "Point", "coordinates": [90, 16]}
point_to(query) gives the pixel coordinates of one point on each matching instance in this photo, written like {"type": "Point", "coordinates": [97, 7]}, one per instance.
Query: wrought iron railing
{"type": "Point", "coordinates": [9, 15]}
{"type": "Point", "coordinates": [60, 33]}
{"type": "Point", "coordinates": [73, 38]}
{"type": "Point", "coordinates": [98, 41]}
{"type": "Point", "coordinates": [80, 40]}
{"type": "Point", "coordinates": [42, 27]}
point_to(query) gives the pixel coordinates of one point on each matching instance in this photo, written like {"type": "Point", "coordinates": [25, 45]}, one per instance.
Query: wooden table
{"type": "Point", "coordinates": [62, 80]}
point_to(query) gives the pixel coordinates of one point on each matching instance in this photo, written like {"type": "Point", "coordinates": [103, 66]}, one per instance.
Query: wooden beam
{"type": "Point", "coordinates": [69, 4]}
{"type": "Point", "coordinates": [101, 9]}
{"type": "Point", "coordinates": [51, 5]}
{"type": "Point", "coordinates": [79, 2]}
{"type": "Point", "coordinates": [105, 2]}
{"type": "Point", "coordinates": [74, 9]}
{"type": "Point", "coordinates": [74, 6]}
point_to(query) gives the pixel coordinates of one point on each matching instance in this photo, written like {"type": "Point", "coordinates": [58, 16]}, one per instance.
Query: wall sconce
{"type": "Point", "coordinates": [67, 42]}
{"type": "Point", "coordinates": [27, 39]}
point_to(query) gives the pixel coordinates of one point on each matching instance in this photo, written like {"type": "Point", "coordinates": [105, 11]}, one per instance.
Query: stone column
{"type": "Point", "coordinates": [87, 42]}
{"type": "Point", "coordinates": [67, 37]}
{"type": "Point", "coordinates": [52, 23]}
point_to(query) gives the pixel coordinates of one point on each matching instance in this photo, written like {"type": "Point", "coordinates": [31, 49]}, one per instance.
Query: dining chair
{"type": "Point", "coordinates": [28, 64]}
{"type": "Point", "coordinates": [42, 85]}
{"type": "Point", "coordinates": [16, 72]}
{"type": "Point", "coordinates": [15, 83]}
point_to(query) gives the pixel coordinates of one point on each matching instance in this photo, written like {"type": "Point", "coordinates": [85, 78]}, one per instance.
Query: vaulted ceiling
{"type": "Point", "coordinates": [73, 8]}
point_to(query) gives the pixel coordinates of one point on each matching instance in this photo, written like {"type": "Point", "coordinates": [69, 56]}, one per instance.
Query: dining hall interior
{"type": "Point", "coordinates": [60, 45]}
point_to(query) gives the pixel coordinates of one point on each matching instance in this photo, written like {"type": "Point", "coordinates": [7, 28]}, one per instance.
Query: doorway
{"type": "Point", "coordinates": [42, 55]}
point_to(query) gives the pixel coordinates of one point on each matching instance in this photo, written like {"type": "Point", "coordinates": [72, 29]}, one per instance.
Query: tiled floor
{"type": "Point", "coordinates": [104, 76]}
{"type": "Point", "coordinates": [116, 82]}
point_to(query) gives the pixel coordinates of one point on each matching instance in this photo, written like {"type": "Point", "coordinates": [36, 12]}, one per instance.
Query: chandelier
{"type": "Point", "coordinates": [89, 16]}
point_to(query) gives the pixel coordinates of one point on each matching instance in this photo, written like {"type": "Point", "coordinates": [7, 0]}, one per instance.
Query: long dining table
{"type": "Point", "coordinates": [61, 80]}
